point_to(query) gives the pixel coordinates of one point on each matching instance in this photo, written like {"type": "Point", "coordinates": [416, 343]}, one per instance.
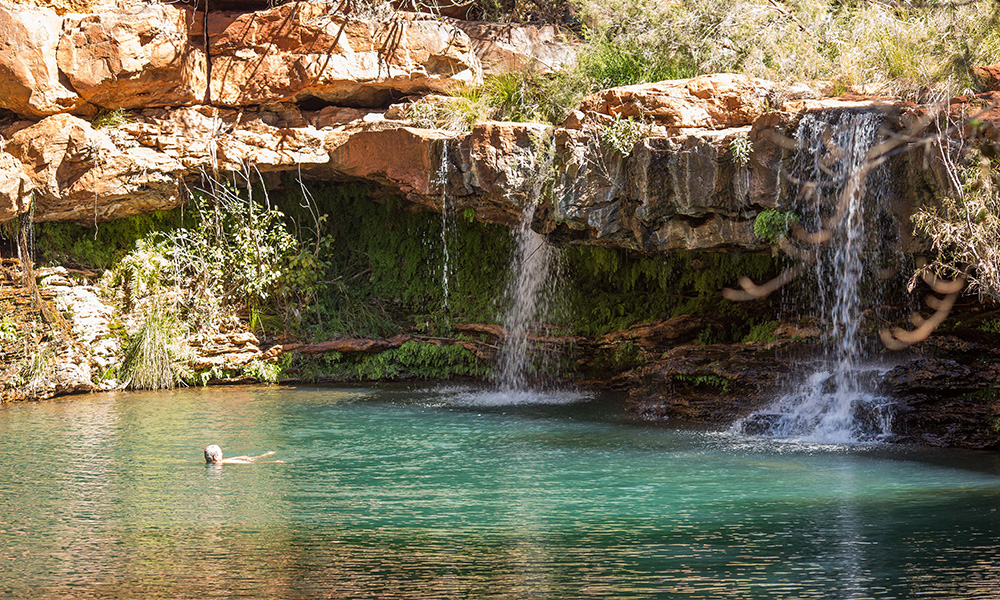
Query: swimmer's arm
{"type": "Point", "coordinates": [242, 460]}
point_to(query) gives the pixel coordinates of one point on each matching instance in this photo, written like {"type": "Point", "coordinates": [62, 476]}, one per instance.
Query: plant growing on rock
{"type": "Point", "coordinates": [964, 227]}
{"type": "Point", "coordinates": [153, 358]}
{"type": "Point", "coordinates": [35, 371]}
{"type": "Point", "coordinates": [742, 148]}
{"type": "Point", "coordinates": [772, 224]}
{"type": "Point", "coordinates": [621, 135]}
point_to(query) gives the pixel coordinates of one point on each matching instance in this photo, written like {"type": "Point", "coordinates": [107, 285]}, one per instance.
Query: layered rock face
{"type": "Point", "coordinates": [307, 89]}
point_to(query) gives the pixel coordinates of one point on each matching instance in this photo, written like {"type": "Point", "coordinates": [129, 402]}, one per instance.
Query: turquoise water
{"type": "Point", "coordinates": [422, 493]}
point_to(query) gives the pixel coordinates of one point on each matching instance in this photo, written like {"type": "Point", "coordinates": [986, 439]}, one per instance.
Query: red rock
{"type": "Point", "coordinates": [29, 76]}
{"type": "Point", "coordinates": [989, 77]}
{"type": "Point", "coordinates": [305, 50]}
{"type": "Point", "coordinates": [134, 59]}
{"type": "Point", "coordinates": [715, 101]}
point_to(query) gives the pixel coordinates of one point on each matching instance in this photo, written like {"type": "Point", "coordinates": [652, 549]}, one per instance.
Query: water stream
{"type": "Point", "coordinates": [836, 402]}
{"type": "Point", "coordinates": [530, 289]}
{"type": "Point", "coordinates": [410, 493]}
{"type": "Point", "coordinates": [442, 178]}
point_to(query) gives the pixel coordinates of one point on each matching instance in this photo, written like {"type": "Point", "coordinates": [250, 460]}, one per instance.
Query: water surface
{"type": "Point", "coordinates": [423, 493]}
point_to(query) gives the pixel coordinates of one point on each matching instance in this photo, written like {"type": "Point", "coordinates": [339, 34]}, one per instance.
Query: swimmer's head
{"type": "Point", "coordinates": [213, 454]}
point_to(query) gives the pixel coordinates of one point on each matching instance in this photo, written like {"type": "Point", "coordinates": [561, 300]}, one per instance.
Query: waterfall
{"type": "Point", "coordinates": [442, 178]}
{"type": "Point", "coordinates": [530, 287]}
{"type": "Point", "coordinates": [836, 402]}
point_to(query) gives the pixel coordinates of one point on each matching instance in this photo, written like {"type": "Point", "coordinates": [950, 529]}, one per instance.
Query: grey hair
{"type": "Point", "coordinates": [213, 454]}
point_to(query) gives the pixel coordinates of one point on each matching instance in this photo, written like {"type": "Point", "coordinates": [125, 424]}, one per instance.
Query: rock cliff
{"type": "Point", "coordinates": [117, 111]}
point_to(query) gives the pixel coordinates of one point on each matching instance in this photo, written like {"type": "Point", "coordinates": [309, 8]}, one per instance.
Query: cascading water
{"type": "Point", "coordinates": [836, 403]}
{"type": "Point", "coordinates": [529, 290]}
{"type": "Point", "coordinates": [442, 178]}
{"type": "Point", "coordinates": [528, 303]}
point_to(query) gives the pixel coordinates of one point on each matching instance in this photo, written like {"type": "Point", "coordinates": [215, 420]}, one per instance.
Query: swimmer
{"type": "Point", "coordinates": [213, 456]}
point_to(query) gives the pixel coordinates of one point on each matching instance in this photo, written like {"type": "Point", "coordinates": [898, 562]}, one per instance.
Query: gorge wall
{"type": "Point", "coordinates": [114, 112]}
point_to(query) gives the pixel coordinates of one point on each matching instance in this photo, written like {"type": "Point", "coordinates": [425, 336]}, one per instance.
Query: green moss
{"type": "Point", "coordinates": [989, 326]}
{"type": "Point", "coordinates": [102, 246]}
{"type": "Point", "coordinates": [761, 332]}
{"type": "Point", "coordinates": [772, 224]}
{"type": "Point", "coordinates": [384, 266]}
{"type": "Point", "coordinates": [412, 360]}
{"type": "Point", "coordinates": [609, 289]}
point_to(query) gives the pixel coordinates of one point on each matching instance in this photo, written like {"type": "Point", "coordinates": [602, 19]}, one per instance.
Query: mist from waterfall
{"type": "Point", "coordinates": [837, 402]}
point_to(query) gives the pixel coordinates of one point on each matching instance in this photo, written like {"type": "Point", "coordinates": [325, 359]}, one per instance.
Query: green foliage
{"type": "Point", "coordinates": [102, 246]}
{"type": "Point", "coordinates": [762, 332]}
{"type": "Point", "coordinates": [989, 326]}
{"type": "Point", "coordinates": [8, 329]}
{"type": "Point", "coordinates": [153, 358]}
{"type": "Point", "coordinates": [626, 356]}
{"type": "Point", "coordinates": [263, 372]}
{"type": "Point", "coordinates": [384, 272]}
{"type": "Point", "coordinates": [964, 227]}
{"type": "Point", "coordinates": [713, 381]}
{"type": "Point", "coordinates": [621, 56]}
{"type": "Point", "coordinates": [608, 289]}
{"type": "Point", "coordinates": [742, 148]}
{"type": "Point", "coordinates": [35, 371]}
{"type": "Point", "coordinates": [621, 135]}
{"type": "Point", "coordinates": [414, 359]}
{"type": "Point", "coordinates": [111, 118]}
{"type": "Point", "coordinates": [772, 224]}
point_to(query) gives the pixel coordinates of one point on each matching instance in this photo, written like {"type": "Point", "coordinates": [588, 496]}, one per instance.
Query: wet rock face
{"type": "Point", "coordinates": [946, 402]}
{"type": "Point", "coordinates": [715, 384]}
{"type": "Point", "coordinates": [674, 192]}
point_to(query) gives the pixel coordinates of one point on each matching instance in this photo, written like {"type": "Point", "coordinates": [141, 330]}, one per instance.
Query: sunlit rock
{"type": "Point", "coordinates": [29, 76]}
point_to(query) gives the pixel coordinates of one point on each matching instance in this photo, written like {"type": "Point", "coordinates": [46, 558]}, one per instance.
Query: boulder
{"type": "Point", "coordinates": [716, 101]}
{"type": "Point", "coordinates": [15, 188]}
{"type": "Point", "coordinates": [989, 77]}
{"type": "Point", "coordinates": [508, 47]}
{"type": "Point", "coordinates": [391, 154]}
{"type": "Point", "coordinates": [503, 167]}
{"type": "Point", "coordinates": [308, 52]}
{"type": "Point", "coordinates": [81, 175]}
{"type": "Point", "coordinates": [137, 58]}
{"type": "Point", "coordinates": [29, 76]}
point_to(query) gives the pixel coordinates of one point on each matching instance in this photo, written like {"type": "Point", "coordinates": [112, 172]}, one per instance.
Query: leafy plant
{"type": "Point", "coordinates": [621, 135]}
{"type": "Point", "coordinates": [772, 224]}
{"type": "Point", "coordinates": [111, 118]}
{"type": "Point", "coordinates": [713, 381]}
{"type": "Point", "coordinates": [742, 148]}
{"type": "Point", "coordinates": [990, 326]}
{"type": "Point", "coordinates": [762, 332]}
{"type": "Point", "coordinates": [35, 371]}
{"type": "Point", "coordinates": [152, 358]}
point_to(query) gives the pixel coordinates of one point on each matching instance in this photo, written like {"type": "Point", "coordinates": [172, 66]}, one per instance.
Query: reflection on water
{"type": "Point", "coordinates": [455, 493]}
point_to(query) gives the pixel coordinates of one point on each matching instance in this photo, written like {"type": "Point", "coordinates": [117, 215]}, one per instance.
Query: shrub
{"type": "Point", "coordinates": [964, 228]}
{"type": "Point", "coordinates": [762, 332]}
{"type": "Point", "coordinates": [621, 135]}
{"type": "Point", "coordinates": [153, 358]}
